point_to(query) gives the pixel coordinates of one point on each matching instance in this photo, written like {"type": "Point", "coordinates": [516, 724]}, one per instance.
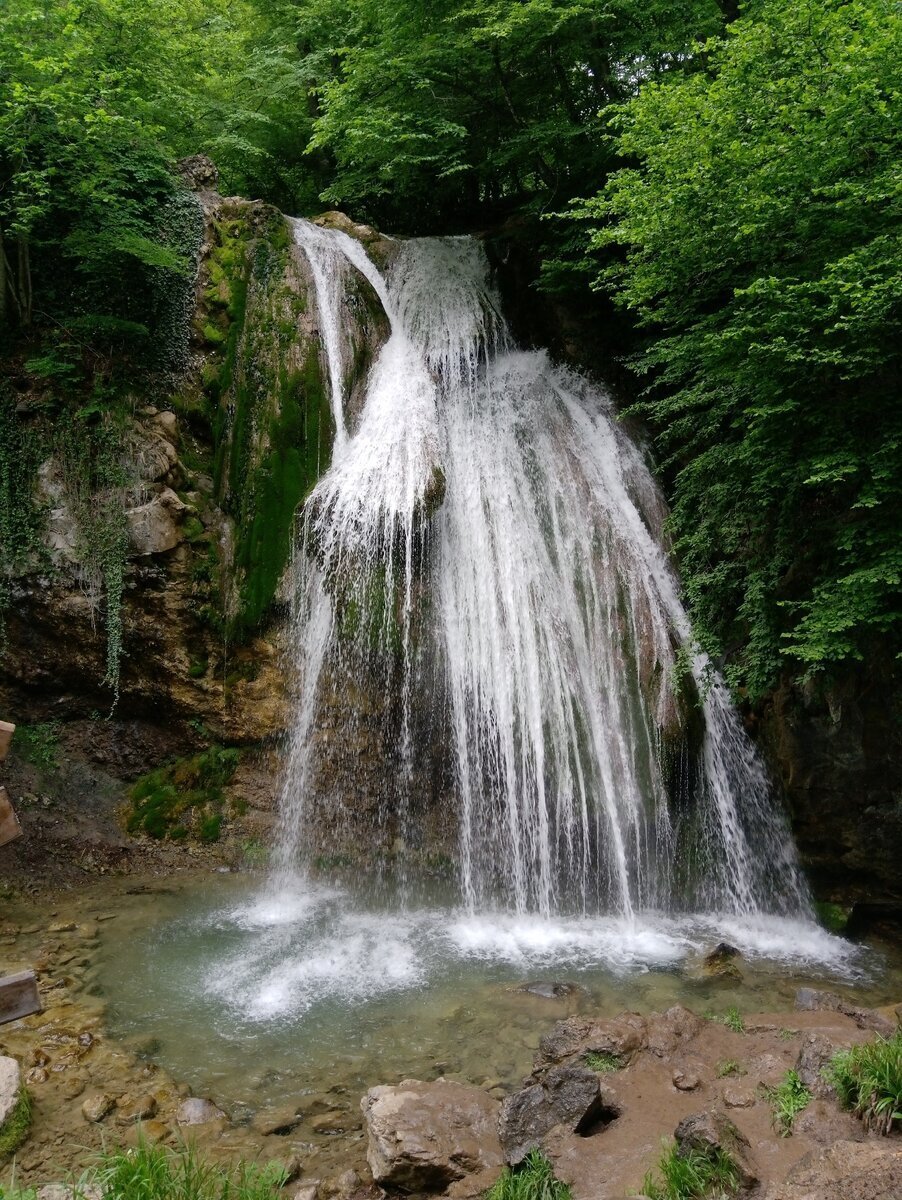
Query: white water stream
{"type": "Point", "coordinates": [490, 526]}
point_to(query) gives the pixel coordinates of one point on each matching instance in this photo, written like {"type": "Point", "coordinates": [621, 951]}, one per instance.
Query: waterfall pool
{"type": "Point", "coordinates": [324, 992]}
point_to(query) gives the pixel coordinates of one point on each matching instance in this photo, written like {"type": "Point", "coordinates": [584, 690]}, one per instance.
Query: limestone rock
{"type": "Point", "coordinates": [869, 1170]}
{"type": "Point", "coordinates": [10, 1087]}
{"type": "Point", "coordinates": [155, 526]}
{"type": "Point", "coordinates": [155, 456]}
{"type": "Point", "coordinates": [814, 1055]}
{"type": "Point", "coordinates": [424, 1136]}
{"type": "Point", "coordinates": [812, 1000]}
{"type": "Point", "coordinates": [568, 1096]}
{"type": "Point", "coordinates": [668, 1031]}
{"type": "Point", "coordinates": [708, 1131]}
{"type": "Point", "coordinates": [64, 1191]}
{"type": "Point", "coordinates": [576, 1037]}
{"type": "Point", "coordinates": [142, 1108]}
{"type": "Point", "coordinates": [197, 1111]}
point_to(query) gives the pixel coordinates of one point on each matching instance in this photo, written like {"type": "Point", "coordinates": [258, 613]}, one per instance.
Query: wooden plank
{"type": "Point", "coordinates": [19, 996]}
{"type": "Point", "coordinates": [10, 829]}
{"type": "Point", "coordinates": [6, 736]}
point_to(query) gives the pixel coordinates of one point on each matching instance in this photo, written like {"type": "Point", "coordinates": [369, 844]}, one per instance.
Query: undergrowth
{"type": "Point", "coordinates": [533, 1179]}
{"type": "Point", "coordinates": [38, 744]}
{"type": "Point", "coordinates": [184, 797]}
{"type": "Point", "coordinates": [16, 1126]}
{"type": "Point", "coordinates": [788, 1099]}
{"type": "Point", "coordinates": [693, 1176]}
{"type": "Point", "coordinates": [868, 1079]}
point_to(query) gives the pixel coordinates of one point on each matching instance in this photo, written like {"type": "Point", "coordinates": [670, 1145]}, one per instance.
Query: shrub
{"type": "Point", "coordinates": [868, 1079]}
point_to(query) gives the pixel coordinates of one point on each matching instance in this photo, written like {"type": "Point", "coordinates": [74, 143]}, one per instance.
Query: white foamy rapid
{"type": "Point", "coordinates": [489, 518]}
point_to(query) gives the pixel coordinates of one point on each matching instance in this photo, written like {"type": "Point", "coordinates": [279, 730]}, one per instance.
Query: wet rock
{"type": "Point", "coordinates": [280, 1122]}
{"type": "Point", "coordinates": [348, 1183]}
{"type": "Point", "coordinates": [424, 1136]}
{"type": "Point", "coordinates": [812, 1000]}
{"type": "Point", "coordinates": [668, 1031]}
{"type": "Point", "coordinates": [739, 1097]}
{"type": "Point", "coordinates": [814, 1055]}
{"type": "Point", "coordinates": [10, 1087]}
{"type": "Point", "coordinates": [142, 1108]}
{"type": "Point", "coordinates": [550, 991]}
{"type": "Point", "coordinates": [826, 1125]}
{"type": "Point", "coordinates": [576, 1037]}
{"type": "Point", "coordinates": [846, 1171]}
{"type": "Point", "coordinates": [307, 1192]}
{"type": "Point", "coordinates": [37, 1075]}
{"type": "Point", "coordinates": [568, 1096]}
{"type": "Point", "coordinates": [197, 1111]}
{"type": "Point", "coordinates": [62, 927]}
{"type": "Point", "coordinates": [721, 962]}
{"type": "Point", "coordinates": [98, 1107]}
{"type": "Point", "coordinates": [705, 1132]}
{"type": "Point", "coordinates": [334, 1122]}
{"type": "Point", "coordinates": [155, 1131]}
{"type": "Point", "coordinates": [686, 1078]}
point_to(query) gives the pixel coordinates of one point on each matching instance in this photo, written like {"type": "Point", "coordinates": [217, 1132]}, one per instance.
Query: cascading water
{"type": "Point", "coordinates": [487, 534]}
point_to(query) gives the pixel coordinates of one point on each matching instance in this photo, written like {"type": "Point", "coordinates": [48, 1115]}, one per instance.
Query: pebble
{"type": "Point", "coordinates": [95, 1108]}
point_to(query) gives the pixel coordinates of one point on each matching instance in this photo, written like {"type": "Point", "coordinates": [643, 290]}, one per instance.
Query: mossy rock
{"type": "Point", "coordinates": [185, 797]}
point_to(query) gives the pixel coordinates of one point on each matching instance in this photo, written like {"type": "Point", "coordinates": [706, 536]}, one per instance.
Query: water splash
{"type": "Point", "coordinates": [487, 533]}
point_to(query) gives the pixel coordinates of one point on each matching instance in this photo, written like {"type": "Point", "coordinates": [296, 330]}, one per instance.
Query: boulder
{"type": "Point", "coordinates": [847, 1170]}
{"type": "Point", "coordinates": [705, 1132]}
{"type": "Point", "coordinates": [814, 1055]}
{"type": "Point", "coordinates": [155, 526]}
{"type": "Point", "coordinates": [720, 963]}
{"type": "Point", "coordinates": [10, 1088]}
{"type": "Point", "coordinates": [669, 1031]}
{"type": "Point", "coordinates": [197, 1111]}
{"type": "Point", "coordinates": [66, 1191]}
{"type": "Point", "coordinates": [95, 1108]}
{"type": "Point", "coordinates": [812, 1000]}
{"type": "Point", "coordinates": [826, 1125]}
{"type": "Point", "coordinates": [576, 1037]}
{"type": "Point", "coordinates": [568, 1096]}
{"type": "Point", "coordinates": [424, 1136]}
{"type": "Point", "coordinates": [142, 1108]}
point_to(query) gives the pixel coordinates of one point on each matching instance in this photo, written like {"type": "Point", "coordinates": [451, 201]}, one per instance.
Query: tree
{"type": "Point", "coordinates": [759, 246]}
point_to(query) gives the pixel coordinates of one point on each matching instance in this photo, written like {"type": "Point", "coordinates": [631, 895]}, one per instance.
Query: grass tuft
{"type": "Point", "coordinates": [732, 1018]}
{"type": "Point", "coordinates": [788, 1099]}
{"type": "Point", "coordinates": [533, 1179]}
{"type": "Point", "coordinates": [158, 1173]}
{"type": "Point", "coordinates": [693, 1176]}
{"type": "Point", "coordinates": [868, 1079]}
{"type": "Point", "coordinates": [603, 1063]}
{"type": "Point", "coordinates": [729, 1066]}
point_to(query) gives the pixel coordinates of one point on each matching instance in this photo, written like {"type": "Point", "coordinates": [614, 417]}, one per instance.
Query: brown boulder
{"type": "Point", "coordinates": [576, 1037]}
{"type": "Point", "coordinates": [424, 1136]}
{"type": "Point", "coordinates": [705, 1132]}
{"type": "Point", "coordinates": [568, 1096]}
{"type": "Point", "coordinates": [846, 1171]}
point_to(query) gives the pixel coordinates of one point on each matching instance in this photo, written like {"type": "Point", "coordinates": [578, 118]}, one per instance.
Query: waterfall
{"type": "Point", "coordinates": [487, 541]}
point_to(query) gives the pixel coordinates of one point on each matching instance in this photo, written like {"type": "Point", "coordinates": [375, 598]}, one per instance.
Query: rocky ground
{"type": "Point", "coordinates": [605, 1091]}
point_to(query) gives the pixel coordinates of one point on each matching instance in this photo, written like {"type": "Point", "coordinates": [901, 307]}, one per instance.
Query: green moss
{"type": "Point", "coordinates": [14, 1129]}
{"type": "Point", "coordinates": [183, 795]}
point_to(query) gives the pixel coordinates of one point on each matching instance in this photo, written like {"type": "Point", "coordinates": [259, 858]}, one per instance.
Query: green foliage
{"type": "Point", "coordinates": [38, 744]}
{"type": "Point", "coordinates": [432, 111]}
{"type": "Point", "coordinates": [533, 1179]}
{"type": "Point", "coordinates": [14, 1129]}
{"type": "Point", "coordinates": [756, 237]}
{"type": "Point", "coordinates": [603, 1063]}
{"type": "Point", "coordinates": [187, 793]}
{"type": "Point", "coordinates": [21, 519]}
{"type": "Point", "coordinates": [868, 1079]}
{"type": "Point", "coordinates": [788, 1099]}
{"type": "Point", "coordinates": [733, 1019]}
{"type": "Point", "coordinates": [693, 1176]}
{"type": "Point", "coordinates": [729, 1067]}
